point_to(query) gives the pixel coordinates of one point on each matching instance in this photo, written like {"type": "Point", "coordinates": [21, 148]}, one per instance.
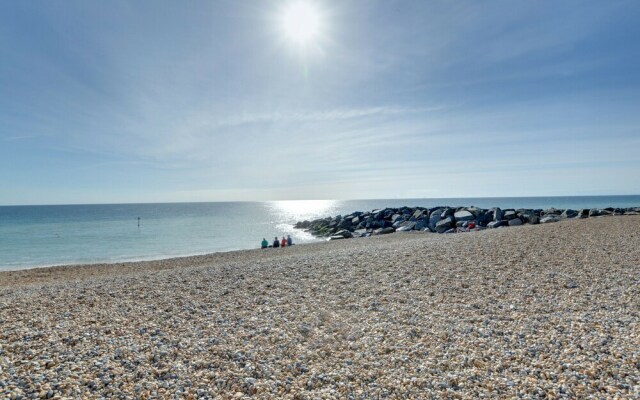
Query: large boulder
{"type": "Point", "coordinates": [434, 218]}
{"type": "Point", "coordinates": [419, 214]}
{"type": "Point", "coordinates": [405, 226]}
{"type": "Point", "coordinates": [569, 213]}
{"type": "Point", "coordinates": [515, 222]}
{"type": "Point", "coordinates": [383, 231]}
{"type": "Point", "coordinates": [483, 217]}
{"type": "Point", "coordinates": [551, 211]}
{"type": "Point", "coordinates": [464, 215]}
{"type": "Point", "coordinates": [360, 232]}
{"type": "Point", "coordinates": [595, 212]}
{"type": "Point", "coordinates": [549, 219]}
{"type": "Point", "coordinates": [344, 233]}
{"type": "Point", "coordinates": [496, 224]}
{"type": "Point", "coordinates": [509, 214]}
{"type": "Point", "coordinates": [496, 214]}
{"type": "Point", "coordinates": [444, 224]}
{"type": "Point", "coordinates": [447, 212]}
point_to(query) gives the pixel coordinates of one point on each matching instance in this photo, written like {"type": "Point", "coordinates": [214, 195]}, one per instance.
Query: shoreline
{"type": "Point", "coordinates": [202, 257]}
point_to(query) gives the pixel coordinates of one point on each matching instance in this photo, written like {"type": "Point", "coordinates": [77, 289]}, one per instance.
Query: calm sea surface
{"type": "Point", "coordinates": [32, 236]}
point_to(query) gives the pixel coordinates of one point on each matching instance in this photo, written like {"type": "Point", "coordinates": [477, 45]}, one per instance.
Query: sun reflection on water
{"type": "Point", "coordinates": [300, 210]}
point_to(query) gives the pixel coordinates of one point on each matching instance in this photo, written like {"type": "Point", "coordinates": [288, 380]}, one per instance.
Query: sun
{"type": "Point", "coordinates": [301, 22]}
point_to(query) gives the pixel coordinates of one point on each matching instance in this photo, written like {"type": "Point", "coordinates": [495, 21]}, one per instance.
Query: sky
{"type": "Point", "coordinates": [162, 101]}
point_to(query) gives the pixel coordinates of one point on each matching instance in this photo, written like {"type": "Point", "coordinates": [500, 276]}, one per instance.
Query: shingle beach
{"type": "Point", "coordinates": [534, 311]}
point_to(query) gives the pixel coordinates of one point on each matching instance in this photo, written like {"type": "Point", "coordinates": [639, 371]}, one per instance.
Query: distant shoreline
{"type": "Point", "coordinates": [430, 220]}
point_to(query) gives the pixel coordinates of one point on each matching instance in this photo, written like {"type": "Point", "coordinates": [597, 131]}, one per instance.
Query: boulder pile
{"type": "Point", "coordinates": [443, 219]}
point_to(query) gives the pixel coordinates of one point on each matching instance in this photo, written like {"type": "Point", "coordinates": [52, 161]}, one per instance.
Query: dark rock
{"type": "Point", "coordinates": [496, 214]}
{"type": "Point", "coordinates": [360, 232]}
{"type": "Point", "coordinates": [551, 211]}
{"type": "Point", "coordinates": [418, 214]}
{"type": "Point", "coordinates": [421, 224]}
{"type": "Point", "coordinates": [405, 226]}
{"type": "Point", "coordinates": [594, 212]}
{"type": "Point", "coordinates": [434, 218]}
{"type": "Point", "coordinates": [384, 231]}
{"type": "Point", "coordinates": [515, 222]}
{"type": "Point", "coordinates": [496, 224]}
{"type": "Point", "coordinates": [336, 237]}
{"type": "Point", "coordinates": [569, 213]}
{"type": "Point", "coordinates": [549, 218]}
{"type": "Point", "coordinates": [447, 212]}
{"type": "Point", "coordinates": [444, 224]}
{"type": "Point", "coordinates": [509, 214]}
{"type": "Point", "coordinates": [344, 233]}
{"type": "Point", "coordinates": [464, 215]}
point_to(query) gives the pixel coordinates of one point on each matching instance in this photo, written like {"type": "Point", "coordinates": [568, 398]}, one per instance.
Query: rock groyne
{"type": "Point", "coordinates": [444, 219]}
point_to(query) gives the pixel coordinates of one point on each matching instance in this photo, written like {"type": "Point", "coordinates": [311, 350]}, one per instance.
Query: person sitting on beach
{"type": "Point", "coordinates": [276, 242]}
{"type": "Point", "coordinates": [283, 243]}
{"type": "Point", "coordinates": [289, 240]}
{"type": "Point", "coordinates": [264, 243]}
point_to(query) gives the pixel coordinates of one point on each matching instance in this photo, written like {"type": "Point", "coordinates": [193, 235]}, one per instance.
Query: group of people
{"type": "Point", "coordinates": [286, 241]}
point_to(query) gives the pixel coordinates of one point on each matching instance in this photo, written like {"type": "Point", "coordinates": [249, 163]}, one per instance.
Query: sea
{"type": "Point", "coordinates": [48, 235]}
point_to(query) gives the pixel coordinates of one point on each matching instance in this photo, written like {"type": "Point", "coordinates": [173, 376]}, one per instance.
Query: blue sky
{"type": "Point", "coordinates": [152, 101]}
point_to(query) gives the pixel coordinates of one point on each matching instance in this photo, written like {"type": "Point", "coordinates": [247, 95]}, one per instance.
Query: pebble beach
{"type": "Point", "coordinates": [533, 311]}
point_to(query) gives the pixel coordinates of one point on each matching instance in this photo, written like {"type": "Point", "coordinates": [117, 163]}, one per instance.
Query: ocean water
{"type": "Point", "coordinates": [35, 236]}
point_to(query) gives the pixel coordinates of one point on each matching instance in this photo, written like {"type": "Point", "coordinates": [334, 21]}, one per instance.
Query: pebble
{"type": "Point", "coordinates": [544, 310]}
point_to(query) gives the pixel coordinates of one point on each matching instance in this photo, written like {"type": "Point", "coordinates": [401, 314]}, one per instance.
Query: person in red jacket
{"type": "Point", "coordinates": [283, 243]}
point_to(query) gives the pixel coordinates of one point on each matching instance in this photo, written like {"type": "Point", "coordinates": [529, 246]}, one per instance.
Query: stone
{"type": "Point", "coordinates": [551, 211]}
{"type": "Point", "coordinates": [344, 233]}
{"type": "Point", "coordinates": [549, 219]}
{"type": "Point", "coordinates": [406, 225]}
{"type": "Point", "coordinates": [509, 214]}
{"type": "Point", "coordinates": [418, 214]}
{"type": "Point", "coordinates": [336, 237]}
{"type": "Point", "coordinates": [434, 218]}
{"type": "Point", "coordinates": [444, 224]}
{"type": "Point", "coordinates": [464, 215]}
{"type": "Point", "coordinates": [447, 212]}
{"type": "Point", "coordinates": [569, 213]}
{"type": "Point", "coordinates": [515, 222]}
{"type": "Point", "coordinates": [496, 224]}
{"type": "Point", "coordinates": [496, 214]}
{"type": "Point", "coordinates": [384, 231]}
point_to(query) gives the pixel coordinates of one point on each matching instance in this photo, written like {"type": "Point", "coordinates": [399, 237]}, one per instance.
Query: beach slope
{"type": "Point", "coordinates": [527, 311]}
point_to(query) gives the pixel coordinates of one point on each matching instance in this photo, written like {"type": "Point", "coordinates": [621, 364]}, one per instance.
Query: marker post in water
{"type": "Point", "coordinates": [138, 222]}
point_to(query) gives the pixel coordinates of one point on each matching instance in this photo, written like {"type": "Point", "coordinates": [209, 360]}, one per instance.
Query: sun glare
{"type": "Point", "coordinates": [301, 22]}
